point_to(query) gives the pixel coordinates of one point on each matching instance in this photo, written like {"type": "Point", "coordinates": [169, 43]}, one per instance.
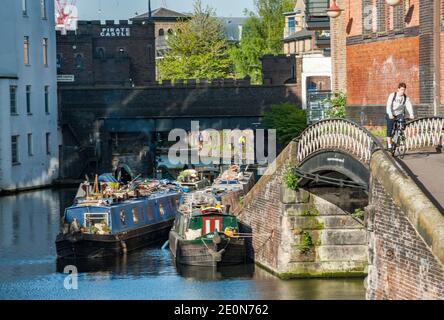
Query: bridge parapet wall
{"type": "Point", "coordinates": [405, 237]}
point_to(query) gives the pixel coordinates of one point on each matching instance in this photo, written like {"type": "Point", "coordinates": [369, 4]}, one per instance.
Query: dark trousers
{"type": "Point", "coordinates": [390, 125]}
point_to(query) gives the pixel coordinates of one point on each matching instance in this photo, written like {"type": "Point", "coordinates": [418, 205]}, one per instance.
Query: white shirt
{"type": "Point", "coordinates": [398, 106]}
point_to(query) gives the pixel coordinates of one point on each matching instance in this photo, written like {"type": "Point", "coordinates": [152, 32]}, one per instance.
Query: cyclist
{"type": "Point", "coordinates": [397, 102]}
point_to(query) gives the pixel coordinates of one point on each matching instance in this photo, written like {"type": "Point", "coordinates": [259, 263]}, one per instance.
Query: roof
{"type": "Point", "coordinates": [161, 13]}
{"type": "Point", "coordinates": [303, 34]}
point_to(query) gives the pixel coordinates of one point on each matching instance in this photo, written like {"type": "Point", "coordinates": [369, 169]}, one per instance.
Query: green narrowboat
{"type": "Point", "coordinates": [206, 233]}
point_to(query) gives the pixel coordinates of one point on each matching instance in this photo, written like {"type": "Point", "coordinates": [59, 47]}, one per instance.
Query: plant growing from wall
{"type": "Point", "coordinates": [337, 103]}
{"type": "Point", "coordinates": [359, 214]}
{"type": "Point", "coordinates": [289, 178]}
{"type": "Point", "coordinates": [307, 242]}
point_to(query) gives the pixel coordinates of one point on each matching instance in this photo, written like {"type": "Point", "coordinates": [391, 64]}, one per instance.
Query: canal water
{"type": "Point", "coordinates": [29, 223]}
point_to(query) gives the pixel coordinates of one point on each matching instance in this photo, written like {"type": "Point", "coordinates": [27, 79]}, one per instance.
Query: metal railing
{"type": "Point", "coordinates": [424, 132]}
{"type": "Point", "coordinates": [338, 134]}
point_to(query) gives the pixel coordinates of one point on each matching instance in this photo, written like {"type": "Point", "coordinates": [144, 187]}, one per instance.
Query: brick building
{"type": "Point", "coordinates": [375, 46]}
{"type": "Point", "coordinates": [165, 23]}
{"type": "Point", "coordinates": [107, 54]}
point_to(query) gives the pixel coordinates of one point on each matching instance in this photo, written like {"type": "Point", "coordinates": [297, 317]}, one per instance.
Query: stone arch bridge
{"type": "Point", "coordinates": [357, 211]}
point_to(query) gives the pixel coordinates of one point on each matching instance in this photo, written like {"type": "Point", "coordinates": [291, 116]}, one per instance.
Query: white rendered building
{"type": "Point", "coordinates": [29, 139]}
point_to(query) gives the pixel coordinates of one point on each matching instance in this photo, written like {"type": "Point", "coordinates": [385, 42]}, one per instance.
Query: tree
{"type": "Point", "coordinates": [198, 50]}
{"type": "Point", "coordinates": [337, 104]}
{"type": "Point", "coordinates": [262, 34]}
{"type": "Point", "coordinates": [288, 120]}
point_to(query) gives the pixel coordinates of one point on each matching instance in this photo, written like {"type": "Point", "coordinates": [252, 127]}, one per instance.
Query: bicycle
{"type": "Point", "coordinates": [398, 137]}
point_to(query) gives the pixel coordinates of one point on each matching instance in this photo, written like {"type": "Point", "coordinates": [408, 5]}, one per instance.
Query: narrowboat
{"type": "Point", "coordinates": [233, 179]}
{"type": "Point", "coordinates": [190, 181]}
{"type": "Point", "coordinates": [116, 220]}
{"type": "Point", "coordinates": [206, 233]}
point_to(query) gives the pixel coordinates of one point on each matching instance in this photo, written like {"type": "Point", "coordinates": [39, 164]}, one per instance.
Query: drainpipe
{"type": "Point", "coordinates": [436, 56]}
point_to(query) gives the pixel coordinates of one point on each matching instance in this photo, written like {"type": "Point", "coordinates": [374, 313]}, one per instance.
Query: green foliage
{"type": "Point", "coordinates": [199, 50]}
{"type": "Point", "coordinates": [379, 133]}
{"type": "Point", "coordinates": [359, 214]}
{"type": "Point", "coordinates": [261, 35]}
{"type": "Point", "coordinates": [307, 242]}
{"type": "Point", "coordinates": [337, 102]}
{"type": "Point", "coordinates": [289, 178]}
{"type": "Point", "coordinates": [288, 120]}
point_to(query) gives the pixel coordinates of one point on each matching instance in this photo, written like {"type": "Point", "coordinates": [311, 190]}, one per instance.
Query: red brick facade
{"type": "Point", "coordinates": [385, 45]}
{"type": "Point", "coordinates": [375, 69]}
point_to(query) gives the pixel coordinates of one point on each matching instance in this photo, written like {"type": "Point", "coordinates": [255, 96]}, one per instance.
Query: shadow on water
{"type": "Point", "coordinates": [245, 271]}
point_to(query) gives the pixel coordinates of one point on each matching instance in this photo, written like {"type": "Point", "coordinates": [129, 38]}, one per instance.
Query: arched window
{"type": "Point", "coordinates": [101, 53]}
{"type": "Point", "coordinates": [161, 32]}
{"type": "Point", "coordinates": [170, 31]}
{"type": "Point", "coordinates": [78, 61]}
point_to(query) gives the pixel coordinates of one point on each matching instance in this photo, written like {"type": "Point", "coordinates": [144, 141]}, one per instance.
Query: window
{"type": "Point", "coordinates": [47, 99]}
{"type": "Point", "coordinates": [43, 9]}
{"type": "Point", "coordinates": [25, 7]}
{"type": "Point", "coordinates": [170, 31]}
{"type": "Point", "coordinates": [122, 217]}
{"type": "Point", "coordinates": [161, 33]}
{"type": "Point", "coordinates": [161, 209]}
{"type": "Point", "coordinates": [135, 216]}
{"type": "Point", "coordinates": [142, 214]}
{"type": "Point", "coordinates": [48, 141]}
{"type": "Point", "coordinates": [30, 151]}
{"type": "Point", "coordinates": [91, 219]}
{"type": "Point", "coordinates": [13, 99]}
{"type": "Point", "coordinates": [78, 61]}
{"type": "Point", "coordinates": [14, 150]}
{"type": "Point", "coordinates": [101, 53]}
{"type": "Point", "coordinates": [26, 50]}
{"type": "Point", "coordinates": [28, 99]}
{"type": "Point", "coordinates": [45, 51]}
{"type": "Point", "coordinates": [59, 60]}
{"type": "Point", "coordinates": [291, 25]}
{"type": "Point", "coordinates": [382, 16]}
{"type": "Point", "coordinates": [149, 211]}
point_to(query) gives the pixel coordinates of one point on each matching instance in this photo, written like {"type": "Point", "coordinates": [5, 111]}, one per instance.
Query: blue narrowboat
{"type": "Point", "coordinates": [103, 227]}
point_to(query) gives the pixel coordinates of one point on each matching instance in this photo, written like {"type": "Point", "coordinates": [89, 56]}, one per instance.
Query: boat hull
{"type": "Point", "coordinates": [89, 246]}
{"type": "Point", "coordinates": [198, 254]}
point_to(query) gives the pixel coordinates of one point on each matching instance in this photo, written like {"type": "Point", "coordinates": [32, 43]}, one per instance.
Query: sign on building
{"type": "Point", "coordinates": [115, 32]}
{"type": "Point", "coordinates": [65, 78]}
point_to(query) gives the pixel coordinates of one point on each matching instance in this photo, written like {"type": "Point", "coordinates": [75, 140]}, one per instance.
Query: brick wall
{"type": "Point", "coordinates": [401, 265]}
{"type": "Point", "coordinates": [278, 70]}
{"type": "Point", "coordinates": [136, 62]}
{"type": "Point", "coordinates": [375, 69]}
{"type": "Point", "coordinates": [262, 212]}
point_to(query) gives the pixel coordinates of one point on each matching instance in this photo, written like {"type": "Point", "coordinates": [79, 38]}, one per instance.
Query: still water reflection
{"type": "Point", "coordinates": [29, 223]}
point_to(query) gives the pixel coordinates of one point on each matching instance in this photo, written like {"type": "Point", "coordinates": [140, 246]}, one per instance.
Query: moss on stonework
{"type": "Point", "coordinates": [310, 212]}
{"type": "Point", "coordinates": [308, 274]}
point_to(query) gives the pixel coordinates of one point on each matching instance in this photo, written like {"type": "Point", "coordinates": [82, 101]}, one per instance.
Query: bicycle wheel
{"type": "Point", "coordinates": [394, 143]}
{"type": "Point", "coordinates": [400, 147]}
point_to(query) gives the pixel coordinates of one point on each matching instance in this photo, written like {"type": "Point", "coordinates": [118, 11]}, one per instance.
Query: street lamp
{"type": "Point", "coordinates": [393, 2]}
{"type": "Point", "coordinates": [334, 11]}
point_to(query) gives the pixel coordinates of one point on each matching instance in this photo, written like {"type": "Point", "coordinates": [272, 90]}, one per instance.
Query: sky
{"type": "Point", "coordinates": [125, 9]}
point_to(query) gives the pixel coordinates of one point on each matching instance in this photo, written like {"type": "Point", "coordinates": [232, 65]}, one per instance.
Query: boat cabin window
{"type": "Point", "coordinates": [142, 214]}
{"type": "Point", "coordinates": [149, 211]}
{"type": "Point", "coordinates": [96, 220]}
{"type": "Point", "coordinates": [135, 215]}
{"type": "Point", "coordinates": [122, 217]}
{"type": "Point", "coordinates": [161, 209]}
